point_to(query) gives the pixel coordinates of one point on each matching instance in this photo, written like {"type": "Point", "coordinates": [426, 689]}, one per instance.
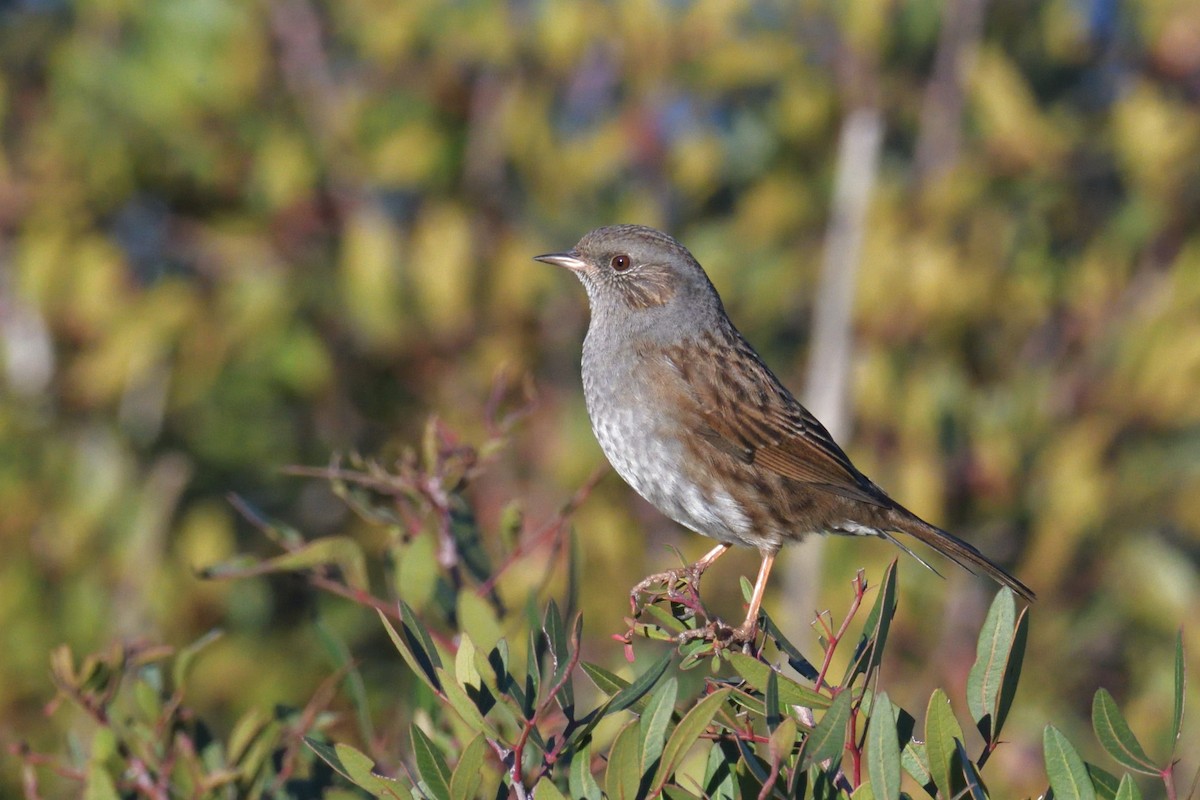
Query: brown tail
{"type": "Point", "coordinates": [958, 551]}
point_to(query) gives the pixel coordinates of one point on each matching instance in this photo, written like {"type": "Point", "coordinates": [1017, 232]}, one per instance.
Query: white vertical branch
{"type": "Point", "coordinates": [827, 385]}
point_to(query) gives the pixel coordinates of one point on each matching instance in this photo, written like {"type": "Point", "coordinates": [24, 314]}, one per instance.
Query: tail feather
{"type": "Point", "coordinates": [958, 551]}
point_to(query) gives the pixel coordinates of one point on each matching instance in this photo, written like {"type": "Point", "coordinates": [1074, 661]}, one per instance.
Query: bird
{"type": "Point", "coordinates": [690, 416]}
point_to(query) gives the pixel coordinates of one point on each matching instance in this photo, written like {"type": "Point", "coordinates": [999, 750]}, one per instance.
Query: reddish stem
{"type": "Point", "coordinates": [835, 638]}
{"type": "Point", "coordinates": [518, 750]}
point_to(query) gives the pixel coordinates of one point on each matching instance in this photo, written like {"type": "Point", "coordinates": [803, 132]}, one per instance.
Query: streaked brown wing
{"type": "Point", "coordinates": [745, 411]}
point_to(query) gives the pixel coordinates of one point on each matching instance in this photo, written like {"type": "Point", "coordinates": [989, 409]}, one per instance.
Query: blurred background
{"type": "Point", "coordinates": [236, 236]}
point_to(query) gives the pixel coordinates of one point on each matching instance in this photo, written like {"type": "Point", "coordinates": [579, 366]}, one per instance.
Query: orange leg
{"type": "Point", "coordinates": [747, 630]}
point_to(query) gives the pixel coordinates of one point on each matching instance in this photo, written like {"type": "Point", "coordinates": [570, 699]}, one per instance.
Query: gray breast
{"type": "Point", "coordinates": [636, 438]}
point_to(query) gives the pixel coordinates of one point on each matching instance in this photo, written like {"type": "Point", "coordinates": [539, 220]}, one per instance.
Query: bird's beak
{"type": "Point", "coordinates": [569, 259]}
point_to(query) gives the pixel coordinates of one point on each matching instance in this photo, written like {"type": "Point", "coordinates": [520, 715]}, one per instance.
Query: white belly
{"type": "Point", "coordinates": [654, 466]}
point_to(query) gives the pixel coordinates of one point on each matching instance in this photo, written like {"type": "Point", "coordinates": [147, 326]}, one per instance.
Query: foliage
{"type": "Point", "coordinates": [499, 708]}
{"type": "Point", "coordinates": [236, 234]}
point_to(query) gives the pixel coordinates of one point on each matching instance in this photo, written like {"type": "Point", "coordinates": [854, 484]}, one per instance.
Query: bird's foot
{"type": "Point", "coordinates": [649, 586]}
{"type": "Point", "coordinates": [722, 635]}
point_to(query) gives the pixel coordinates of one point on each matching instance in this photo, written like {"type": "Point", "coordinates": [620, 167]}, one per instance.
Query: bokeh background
{"type": "Point", "coordinates": [241, 234]}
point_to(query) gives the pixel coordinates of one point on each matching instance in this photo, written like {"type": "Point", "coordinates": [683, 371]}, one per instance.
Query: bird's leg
{"type": "Point", "coordinates": [749, 629]}
{"type": "Point", "coordinates": [689, 574]}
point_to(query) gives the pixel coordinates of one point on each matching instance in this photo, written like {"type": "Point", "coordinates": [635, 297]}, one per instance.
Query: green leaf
{"type": "Point", "coordinates": [915, 760]}
{"type": "Point", "coordinates": [665, 620]}
{"type": "Point", "coordinates": [581, 781]}
{"type": "Point", "coordinates": [883, 749]}
{"type": "Point", "coordinates": [686, 733]}
{"type": "Point", "coordinates": [864, 792]}
{"type": "Point", "coordinates": [1068, 776]}
{"type": "Point", "coordinates": [468, 772]}
{"type": "Point", "coordinates": [875, 630]}
{"type": "Point", "coordinates": [623, 776]}
{"type": "Point", "coordinates": [100, 784]}
{"type": "Point", "coordinates": [758, 768]}
{"type": "Point", "coordinates": [431, 766]}
{"type": "Point", "coordinates": [411, 648]}
{"type": "Point", "coordinates": [1105, 782]}
{"type": "Point", "coordinates": [655, 721]}
{"type": "Point", "coordinates": [991, 657]}
{"type": "Point", "coordinates": [533, 674]}
{"type": "Point", "coordinates": [1180, 685]}
{"type": "Point", "coordinates": [556, 637]}
{"type": "Point", "coordinates": [478, 620]}
{"type": "Point", "coordinates": [826, 741]}
{"type": "Point", "coordinates": [1128, 790]}
{"type": "Point", "coordinates": [795, 658]}
{"type": "Point", "coordinates": [720, 775]}
{"type": "Point", "coordinates": [546, 790]}
{"type": "Point", "coordinates": [975, 788]}
{"type": "Point", "coordinates": [783, 741]}
{"type": "Point", "coordinates": [464, 706]}
{"type": "Point", "coordinates": [1115, 736]}
{"type": "Point", "coordinates": [608, 682]}
{"type": "Point", "coordinates": [342, 552]}
{"type": "Point", "coordinates": [757, 674]}
{"type": "Point", "coordinates": [1012, 672]}
{"type": "Point", "coordinates": [941, 731]}
{"type": "Point", "coordinates": [634, 692]}
{"type": "Point", "coordinates": [467, 538]}
{"type": "Point", "coordinates": [771, 699]}
{"type": "Point", "coordinates": [466, 672]}
{"type": "Point", "coordinates": [416, 575]}
{"type": "Point", "coordinates": [357, 768]}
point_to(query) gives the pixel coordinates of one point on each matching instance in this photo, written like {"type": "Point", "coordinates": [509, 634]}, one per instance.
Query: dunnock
{"type": "Point", "coordinates": [693, 420]}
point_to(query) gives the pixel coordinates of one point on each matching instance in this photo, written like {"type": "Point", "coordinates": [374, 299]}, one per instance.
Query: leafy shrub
{"type": "Point", "coordinates": [499, 704]}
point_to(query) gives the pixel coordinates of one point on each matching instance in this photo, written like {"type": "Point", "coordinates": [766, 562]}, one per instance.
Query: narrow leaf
{"type": "Point", "coordinates": [883, 750]}
{"type": "Point", "coordinates": [1068, 776]}
{"type": "Point", "coordinates": [1115, 736]}
{"type": "Point", "coordinates": [1105, 783]}
{"type": "Point", "coordinates": [468, 772]}
{"type": "Point", "coordinates": [342, 552]}
{"type": "Point", "coordinates": [795, 658]}
{"type": "Point", "coordinates": [410, 648]}
{"type": "Point", "coordinates": [641, 685]}
{"type": "Point", "coordinates": [582, 783]}
{"type": "Point", "coordinates": [655, 720]}
{"type": "Point", "coordinates": [546, 790]}
{"type": "Point", "coordinates": [915, 760]}
{"type": "Point", "coordinates": [877, 626]}
{"type": "Point", "coordinates": [1128, 790]}
{"type": "Point", "coordinates": [608, 682]}
{"type": "Point", "coordinates": [1180, 685]}
{"type": "Point", "coordinates": [941, 731]}
{"type": "Point", "coordinates": [720, 775]}
{"type": "Point", "coordinates": [991, 657]}
{"type": "Point", "coordinates": [783, 741]}
{"type": "Point", "coordinates": [622, 777]}
{"type": "Point", "coordinates": [431, 766]}
{"type": "Point", "coordinates": [828, 738]}
{"type": "Point", "coordinates": [464, 706]}
{"type": "Point", "coordinates": [974, 784]}
{"type": "Point", "coordinates": [356, 767]}
{"type": "Point", "coordinates": [686, 733]}
{"type": "Point", "coordinates": [771, 698]}
{"type": "Point", "coordinates": [1012, 672]}
{"type": "Point", "coordinates": [756, 673]}
{"type": "Point", "coordinates": [864, 792]}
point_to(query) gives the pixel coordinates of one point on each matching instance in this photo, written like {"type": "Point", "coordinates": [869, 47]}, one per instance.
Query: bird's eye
{"type": "Point", "coordinates": [621, 263]}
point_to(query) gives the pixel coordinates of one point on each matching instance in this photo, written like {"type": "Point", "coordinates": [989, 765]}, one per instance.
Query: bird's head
{"type": "Point", "coordinates": [642, 276]}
